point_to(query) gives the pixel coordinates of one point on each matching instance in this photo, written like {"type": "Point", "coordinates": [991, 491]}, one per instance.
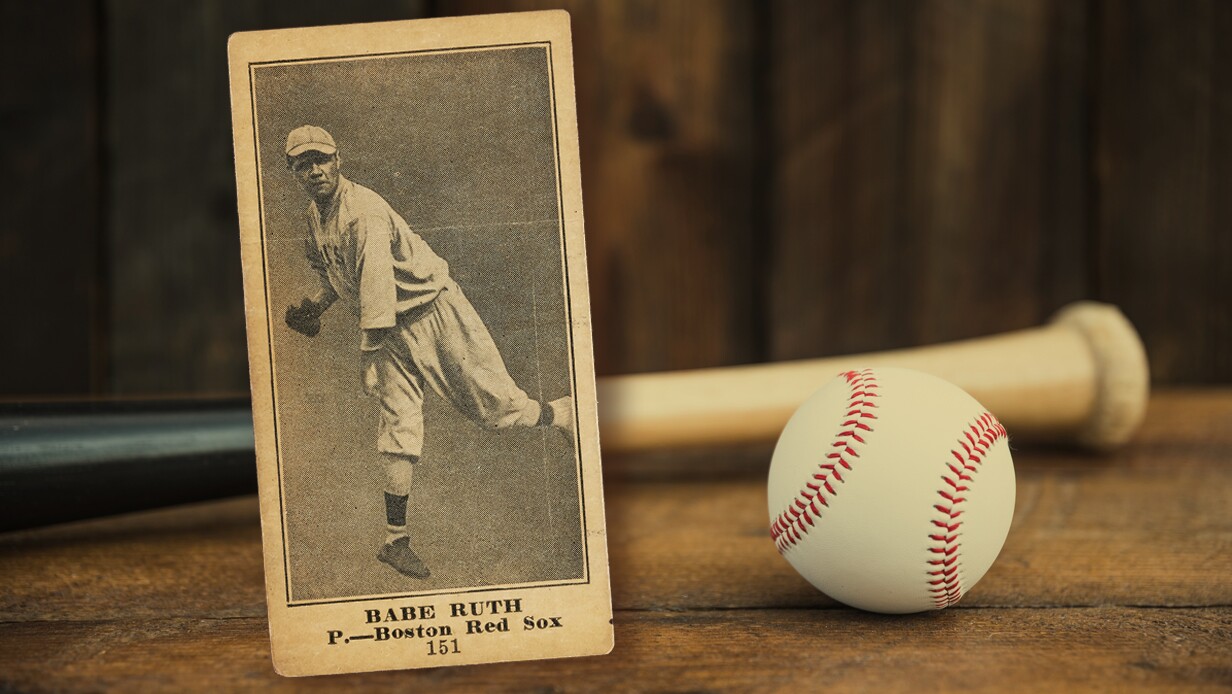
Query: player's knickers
{"type": "Point", "coordinates": [445, 345]}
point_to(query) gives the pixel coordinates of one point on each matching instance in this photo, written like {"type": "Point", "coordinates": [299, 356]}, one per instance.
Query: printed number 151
{"type": "Point", "coordinates": [443, 647]}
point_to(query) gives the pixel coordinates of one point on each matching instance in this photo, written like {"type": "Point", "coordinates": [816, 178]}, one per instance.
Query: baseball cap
{"type": "Point", "coordinates": [307, 137]}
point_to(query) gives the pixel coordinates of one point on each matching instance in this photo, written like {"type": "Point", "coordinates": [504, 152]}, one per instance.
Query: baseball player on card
{"type": "Point", "coordinates": [417, 328]}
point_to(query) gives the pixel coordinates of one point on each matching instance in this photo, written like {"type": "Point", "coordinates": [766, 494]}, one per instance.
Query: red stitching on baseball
{"type": "Point", "coordinates": [944, 573]}
{"type": "Point", "coordinates": [790, 526]}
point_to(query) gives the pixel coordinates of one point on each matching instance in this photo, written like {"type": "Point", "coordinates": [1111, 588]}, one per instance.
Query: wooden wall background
{"type": "Point", "coordinates": [762, 180]}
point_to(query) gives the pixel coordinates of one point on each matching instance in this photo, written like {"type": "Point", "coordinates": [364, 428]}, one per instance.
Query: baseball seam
{"type": "Point", "coordinates": [790, 526]}
{"type": "Point", "coordinates": [945, 563]}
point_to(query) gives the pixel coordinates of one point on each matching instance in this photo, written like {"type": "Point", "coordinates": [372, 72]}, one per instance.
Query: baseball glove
{"type": "Point", "coordinates": [305, 318]}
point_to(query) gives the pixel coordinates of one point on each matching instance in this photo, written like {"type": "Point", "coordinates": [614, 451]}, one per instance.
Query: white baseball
{"type": "Point", "coordinates": [891, 490]}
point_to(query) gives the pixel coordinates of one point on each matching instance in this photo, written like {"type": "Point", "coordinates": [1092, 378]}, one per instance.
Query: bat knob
{"type": "Point", "coordinates": [1121, 372]}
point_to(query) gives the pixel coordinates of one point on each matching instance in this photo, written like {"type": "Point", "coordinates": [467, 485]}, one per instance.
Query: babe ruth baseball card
{"type": "Point", "coordinates": [419, 341]}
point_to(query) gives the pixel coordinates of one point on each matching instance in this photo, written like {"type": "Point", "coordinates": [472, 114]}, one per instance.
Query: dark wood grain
{"type": "Point", "coordinates": [1165, 180]}
{"type": "Point", "coordinates": [928, 170]}
{"type": "Point", "coordinates": [1114, 577]}
{"type": "Point", "coordinates": [667, 126]}
{"type": "Point", "coordinates": [49, 239]}
{"type": "Point", "coordinates": [688, 531]}
{"type": "Point", "coordinates": [177, 310]}
{"type": "Point", "coordinates": [193, 561]}
{"type": "Point", "coordinates": [1104, 649]}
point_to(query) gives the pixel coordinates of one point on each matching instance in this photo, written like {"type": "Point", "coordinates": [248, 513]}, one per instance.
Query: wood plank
{"type": "Point", "coordinates": [177, 310]}
{"type": "Point", "coordinates": [1164, 155]}
{"type": "Point", "coordinates": [50, 236]}
{"type": "Point", "coordinates": [667, 126]}
{"type": "Point", "coordinates": [201, 560]}
{"type": "Point", "coordinates": [1149, 525]}
{"type": "Point", "coordinates": [1163, 500]}
{"type": "Point", "coordinates": [972, 650]}
{"type": "Point", "coordinates": [929, 170]}
{"type": "Point", "coordinates": [129, 602]}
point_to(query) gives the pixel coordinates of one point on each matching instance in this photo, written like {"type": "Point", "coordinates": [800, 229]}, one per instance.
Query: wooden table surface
{"type": "Point", "coordinates": [1117, 575]}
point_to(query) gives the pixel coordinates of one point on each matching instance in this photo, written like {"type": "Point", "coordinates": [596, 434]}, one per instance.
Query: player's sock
{"type": "Point", "coordinates": [395, 514]}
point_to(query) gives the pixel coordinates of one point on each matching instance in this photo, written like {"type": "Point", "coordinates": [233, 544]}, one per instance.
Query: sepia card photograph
{"type": "Point", "coordinates": [419, 343]}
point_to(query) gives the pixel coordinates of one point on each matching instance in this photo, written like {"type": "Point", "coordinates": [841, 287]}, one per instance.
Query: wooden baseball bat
{"type": "Point", "coordinates": [1082, 378]}
{"type": "Point", "coordinates": [61, 462]}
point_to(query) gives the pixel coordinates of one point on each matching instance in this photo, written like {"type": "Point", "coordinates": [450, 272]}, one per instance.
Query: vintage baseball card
{"type": "Point", "coordinates": [419, 341]}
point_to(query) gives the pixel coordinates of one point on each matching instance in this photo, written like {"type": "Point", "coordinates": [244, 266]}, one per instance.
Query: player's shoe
{"type": "Point", "coordinates": [399, 555]}
{"type": "Point", "coordinates": [562, 415]}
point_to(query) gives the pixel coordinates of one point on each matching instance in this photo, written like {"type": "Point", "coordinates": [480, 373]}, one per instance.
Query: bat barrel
{"type": "Point", "coordinates": [1122, 374]}
{"type": "Point", "coordinates": [1081, 378]}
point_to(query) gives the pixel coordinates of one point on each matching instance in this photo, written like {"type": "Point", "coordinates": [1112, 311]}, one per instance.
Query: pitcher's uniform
{"type": "Point", "coordinates": [365, 253]}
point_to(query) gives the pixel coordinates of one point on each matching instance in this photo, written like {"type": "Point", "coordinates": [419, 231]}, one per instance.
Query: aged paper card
{"type": "Point", "coordinates": [419, 343]}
